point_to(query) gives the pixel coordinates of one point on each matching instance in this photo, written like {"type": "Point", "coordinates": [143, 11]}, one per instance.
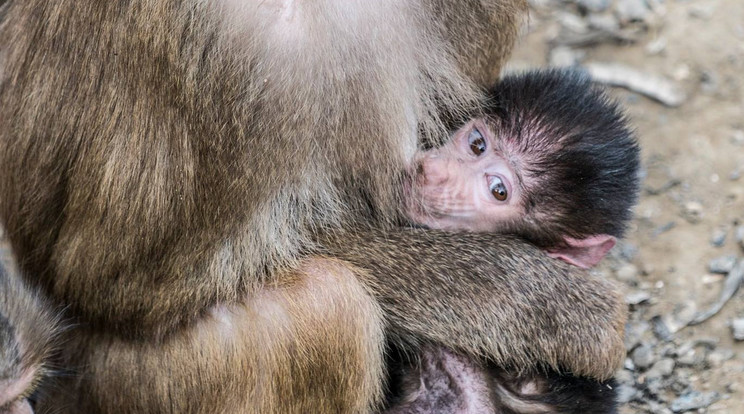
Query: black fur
{"type": "Point", "coordinates": [588, 183]}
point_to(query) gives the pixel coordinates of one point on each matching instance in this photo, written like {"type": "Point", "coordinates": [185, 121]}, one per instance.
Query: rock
{"type": "Point", "coordinates": [737, 137]}
{"type": "Point", "coordinates": [561, 56]}
{"type": "Point", "coordinates": [681, 385]}
{"type": "Point", "coordinates": [604, 22]}
{"type": "Point", "coordinates": [718, 238]}
{"type": "Point", "coordinates": [631, 10]}
{"type": "Point", "coordinates": [627, 273]}
{"type": "Point", "coordinates": [692, 358]}
{"type": "Point", "coordinates": [709, 82]}
{"type": "Point", "coordinates": [637, 297]}
{"type": "Point", "coordinates": [657, 408]}
{"type": "Point", "coordinates": [634, 333]}
{"type": "Point", "coordinates": [573, 22]}
{"type": "Point", "coordinates": [722, 265]}
{"type": "Point", "coordinates": [660, 328]}
{"type": "Point", "coordinates": [694, 400]}
{"type": "Point", "coordinates": [627, 393]}
{"type": "Point", "coordinates": [662, 368]}
{"type": "Point", "coordinates": [643, 356]}
{"type": "Point", "coordinates": [624, 376]}
{"type": "Point", "coordinates": [735, 174]}
{"type": "Point", "coordinates": [625, 250]}
{"type": "Point", "coordinates": [593, 5]}
{"type": "Point", "coordinates": [739, 236]}
{"type": "Point", "coordinates": [656, 46]}
{"type": "Point", "coordinates": [719, 356]}
{"type": "Point", "coordinates": [692, 211]}
{"type": "Point", "coordinates": [702, 12]}
{"type": "Point", "coordinates": [737, 329]}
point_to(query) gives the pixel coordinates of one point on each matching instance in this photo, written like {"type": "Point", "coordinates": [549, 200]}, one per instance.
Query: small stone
{"type": "Point", "coordinates": [719, 356]}
{"type": "Point", "coordinates": [681, 385]}
{"type": "Point", "coordinates": [702, 12]}
{"type": "Point", "coordinates": [643, 357]}
{"type": "Point", "coordinates": [735, 174]}
{"type": "Point", "coordinates": [709, 82]}
{"type": "Point", "coordinates": [634, 333]}
{"type": "Point", "coordinates": [624, 376]}
{"type": "Point", "coordinates": [594, 5]}
{"type": "Point", "coordinates": [722, 265]}
{"type": "Point", "coordinates": [661, 328]}
{"type": "Point", "coordinates": [694, 400]}
{"type": "Point", "coordinates": [627, 393]}
{"type": "Point", "coordinates": [626, 250]}
{"type": "Point", "coordinates": [662, 368]}
{"type": "Point", "coordinates": [692, 211]}
{"type": "Point", "coordinates": [604, 22]}
{"type": "Point", "coordinates": [573, 22]}
{"type": "Point", "coordinates": [627, 273]}
{"type": "Point", "coordinates": [737, 137]}
{"type": "Point", "coordinates": [737, 329]}
{"type": "Point", "coordinates": [657, 408]}
{"type": "Point", "coordinates": [631, 10]}
{"type": "Point", "coordinates": [561, 56]}
{"type": "Point", "coordinates": [692, 357]}
{"type": "Point", "coordinates": [637, 297]}
{"type": "Point", "coordinates": [629, 365]}
{"type": "Point", "coordinates": [718, 238]}
{"type": "Point", "coordinates": [739, 235]}
{"type": "Point", "coordinates": [656, 46]}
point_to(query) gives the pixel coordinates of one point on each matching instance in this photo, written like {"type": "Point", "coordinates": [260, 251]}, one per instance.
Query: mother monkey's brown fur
{"type": "Point", "coordinates": [170, 166]}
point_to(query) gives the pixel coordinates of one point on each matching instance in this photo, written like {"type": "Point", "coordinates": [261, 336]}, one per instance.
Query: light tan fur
{"type": "Point", "coordinates": [169, 165]}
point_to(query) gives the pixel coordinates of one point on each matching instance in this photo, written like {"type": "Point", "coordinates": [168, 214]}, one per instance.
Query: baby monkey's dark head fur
{"type": "Point", "coordinates": [579, 157]}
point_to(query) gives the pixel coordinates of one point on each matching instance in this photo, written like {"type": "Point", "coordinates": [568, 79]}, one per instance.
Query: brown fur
{"type": "Point", "coordinates": [167, 161]}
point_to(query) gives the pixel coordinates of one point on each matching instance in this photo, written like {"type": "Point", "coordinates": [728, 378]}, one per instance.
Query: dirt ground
{"type": "Point", "coordinates": [693, 156]}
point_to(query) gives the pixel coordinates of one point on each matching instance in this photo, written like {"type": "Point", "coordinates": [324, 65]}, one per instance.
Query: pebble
{"type": "Point", "coordinates": [694, 400]}
{"type": "Point", "coordinates": [722, 265]}
{"type": "Point", "coordinates": [718, 238]}
{"type": "Point", "coordinates": [631, 10]}
{"type": "Point", "coordinates": [719, 356]}
{"type": "Point", "coordinates": [604, 22]}
{"type": "Point", "coordinates": [662, 368]}
{"type": "Point", "coordinates": [634, 333]}
{"type": "Point", "coordinates": [692, 358]}
{"type": "Point", "coordinates": [692, 211]}
{"type": "Point", "coordinates": [562, 56]}
{"type": "Point", "coordinates": [627, 273]}
{"type": "Point", "coordinates": [661, 328]}
{"type": "Point", "coordinates": [594, 5]}
{"type": "Point", "coordinates": [702, 12]}
{"type": "Point", "coordinates": [737, 137]}
{"type": "Point", "coordinates": [627, 393]}
{"type": "Point", "coordinates": [735, 174]}
{"type": "Point", "coordinates": [656, 46]}
{"type": "Point", "coordinates": [643, 356]}
{"type": "Point", "coordinates": [739, 235]}
{"type": "Point", "coordinates": [737, 329]}
{"type": "Point", "coordinates": [637, 297]}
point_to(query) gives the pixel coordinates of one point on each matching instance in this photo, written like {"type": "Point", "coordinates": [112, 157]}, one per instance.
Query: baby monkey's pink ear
{"type": "Point", "coordinates": [584, 253]}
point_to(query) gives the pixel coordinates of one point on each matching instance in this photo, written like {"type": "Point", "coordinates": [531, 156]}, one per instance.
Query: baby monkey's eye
{"type": "Point", "coordinates": [498, 189]}
{"type": "Point", "coordinates": [477, 142]}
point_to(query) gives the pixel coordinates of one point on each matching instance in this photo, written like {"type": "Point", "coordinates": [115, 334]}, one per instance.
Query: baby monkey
{"type": "Point", "coordinates": [550, 159]}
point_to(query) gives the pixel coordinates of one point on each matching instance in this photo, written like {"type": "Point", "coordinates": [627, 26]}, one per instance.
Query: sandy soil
{"type": "Point", "coordinates": [697, 150]}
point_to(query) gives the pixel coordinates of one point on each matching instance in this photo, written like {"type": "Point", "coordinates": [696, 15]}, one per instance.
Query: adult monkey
{"type": "Point", "coordinates": [170, 166]}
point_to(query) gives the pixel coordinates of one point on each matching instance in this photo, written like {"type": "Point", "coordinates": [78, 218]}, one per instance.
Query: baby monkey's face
{"type": "Point", "coordinates": [467, 184]}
